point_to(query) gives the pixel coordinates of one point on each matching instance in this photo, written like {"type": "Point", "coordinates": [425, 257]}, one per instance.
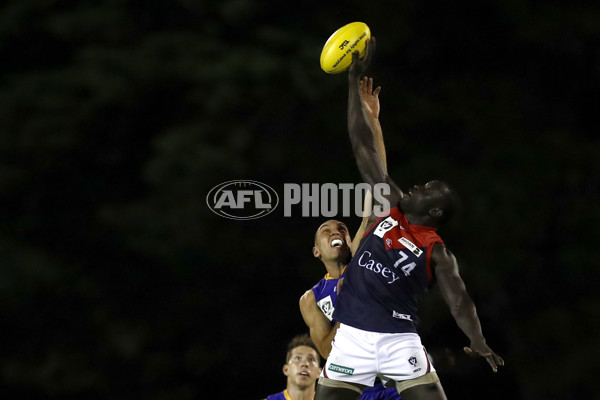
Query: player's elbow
{"type": "Point", "coordinates": [324, 350]}
{"type": "Point", "coordinates": [306, 300]}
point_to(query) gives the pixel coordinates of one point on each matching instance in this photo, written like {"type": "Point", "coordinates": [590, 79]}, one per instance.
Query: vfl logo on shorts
{"type": "Point", "coordinates": [413, 362]}
{"type": "Point", "coordinates": [340, 369]}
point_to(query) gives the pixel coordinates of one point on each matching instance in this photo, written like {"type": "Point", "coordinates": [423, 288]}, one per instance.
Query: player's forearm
{"type": "Point", "coordinates": [319, 326]}
{"type": "Point", "coordinates": [367, 210]}
{"type": "Point", "coordinates": [362, 138]}
{"type": "Point", "coordinates": [322, 339]}
{"type": "Point", "coordinates": [320, 330]}
{"type": "Point", "coordinates": [465, 315]}
{"type": "Point", "coordinates": [378, 137]}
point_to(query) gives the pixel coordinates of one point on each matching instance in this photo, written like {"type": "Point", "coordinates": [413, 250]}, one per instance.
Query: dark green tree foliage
{"type": "Point", "coordinates": [117, 117]}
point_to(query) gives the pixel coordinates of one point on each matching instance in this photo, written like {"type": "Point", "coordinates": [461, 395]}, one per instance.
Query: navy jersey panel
{"type": "Point", "coordinates": [326, 293]}
{"type": "Point", "coordinates": [387, 276]}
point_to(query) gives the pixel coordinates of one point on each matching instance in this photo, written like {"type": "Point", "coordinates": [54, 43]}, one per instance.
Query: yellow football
{"type": "Point", "coordinates": [336, 56]}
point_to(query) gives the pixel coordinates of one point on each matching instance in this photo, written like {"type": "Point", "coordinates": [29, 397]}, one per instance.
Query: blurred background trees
{"type": "Point", "coordinates": [117, 117]}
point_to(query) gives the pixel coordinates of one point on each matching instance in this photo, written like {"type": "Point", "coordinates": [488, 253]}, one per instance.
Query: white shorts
{"type": "Point", "coordinates": [359, 356]}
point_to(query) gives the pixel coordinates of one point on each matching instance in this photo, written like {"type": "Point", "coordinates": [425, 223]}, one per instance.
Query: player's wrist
{"type": "Point", "coordinates": [479, 341]}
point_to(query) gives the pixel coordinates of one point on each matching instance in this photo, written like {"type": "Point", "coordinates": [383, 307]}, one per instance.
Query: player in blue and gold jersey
{"type": "Point", "coordinates": [301, 368]}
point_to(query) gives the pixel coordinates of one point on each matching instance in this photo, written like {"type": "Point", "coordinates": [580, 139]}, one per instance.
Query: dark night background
{"type": "Point", "coordinates": [117, 117]}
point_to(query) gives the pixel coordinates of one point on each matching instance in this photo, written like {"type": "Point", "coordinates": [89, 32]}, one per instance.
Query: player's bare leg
{"type": "Point", "coordinates": [335, 393]}
{"type": "Point", "coordinates": [430, 391]}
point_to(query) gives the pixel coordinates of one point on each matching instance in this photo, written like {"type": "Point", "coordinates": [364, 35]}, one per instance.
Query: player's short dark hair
{"type": "Point", "coordinates": [301, 340]}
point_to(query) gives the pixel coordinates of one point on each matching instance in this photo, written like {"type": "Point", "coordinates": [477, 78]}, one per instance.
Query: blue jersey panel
{"type": "Point", "coordinates": [326, 292]}
{"type": "Point", "coordinates": [379, 392]}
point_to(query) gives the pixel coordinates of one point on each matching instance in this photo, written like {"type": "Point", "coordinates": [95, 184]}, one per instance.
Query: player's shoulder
{"type": "Point", "coordinates": [441, 250]}
{"type": "Point", "coordinates": [320, 284]}
{"type": "Point", "coordinates": [443, 259]}
{"type": "Point", "coordinates": [309, 295]}
{"type": "Point", "coordinates": [276, 396]}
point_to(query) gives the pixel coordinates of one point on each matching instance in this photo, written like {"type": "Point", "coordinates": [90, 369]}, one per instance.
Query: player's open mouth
{"type": "Point", "coordinates": [337, 243]}
{"type": "Point", "coordinates": [304, 373]}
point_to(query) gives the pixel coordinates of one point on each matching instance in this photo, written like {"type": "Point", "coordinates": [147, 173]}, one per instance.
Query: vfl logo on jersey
{"type": "Point", "coordinates": [411, 246]}
{"type": "Point", "coordinates": [385, 226]}
{"type": "Point", "coordinates": [396, 314]}
{"type": "Point", "coordinates": [242, 199]}
{"type": "Point", "coordinates": [326, 305]}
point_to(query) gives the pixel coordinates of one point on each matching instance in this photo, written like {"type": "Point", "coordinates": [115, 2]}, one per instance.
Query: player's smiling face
{"type": "Point", "coordinates": [303, 366]}
{"type": "Point", "coordinates": [332, 242]}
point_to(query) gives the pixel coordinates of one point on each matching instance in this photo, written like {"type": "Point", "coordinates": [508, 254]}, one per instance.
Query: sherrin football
{"type": "Point", "coordinates": [336, 56]}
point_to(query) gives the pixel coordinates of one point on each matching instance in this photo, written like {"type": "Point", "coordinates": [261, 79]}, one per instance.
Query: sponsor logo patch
{"type": "Point", "coordinates": [340, 369]}
{"type": "Point", "coordinates": [411, 246]}
{"type": "Point", "coordinates": [396, 314]}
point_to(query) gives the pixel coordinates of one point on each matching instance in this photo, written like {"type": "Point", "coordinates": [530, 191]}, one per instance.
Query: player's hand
{"type": "Point", "coordinates": [483, 350]}
{"type": "Point", "coordinates": [369, 97]}
{"type": "Point", "coordinates": [359, 65]}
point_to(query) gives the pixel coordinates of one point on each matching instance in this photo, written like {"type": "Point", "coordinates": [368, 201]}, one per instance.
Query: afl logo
{"type": "Point", "coordinates": [242, 199]}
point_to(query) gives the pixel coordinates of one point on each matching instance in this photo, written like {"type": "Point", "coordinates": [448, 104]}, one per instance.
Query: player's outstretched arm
{"type": "Point", "coordinates": [370, 98]}
{"type": "Point", "coordinates": [368, 211]}
{"type": "Point", "coordinates": [361, 132]}
{"type": "Point", "coordinates": [461, 306]}
{"type": "Point", "coordinates": [371, 105]}
{"type": "Point", "coordinates": [320, 329]}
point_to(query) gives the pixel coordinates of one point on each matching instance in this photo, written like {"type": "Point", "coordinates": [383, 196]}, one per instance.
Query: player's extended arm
{"type": "Point", "coordinates": [320, 329]}
{"type": "Point", "coordinates": [371, 104]}
{"type": "Point", "coordinates": [361, 132]}
{"type": "Point", "coordinates": [372, 107]}
{"type": "Point", "coordinates": [367, 210]}
{"type": "Point", "coordinates": [461, 306]}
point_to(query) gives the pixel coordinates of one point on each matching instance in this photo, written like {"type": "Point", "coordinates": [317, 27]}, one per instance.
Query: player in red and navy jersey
{"type": "Point", "coordinates": [333, 247]}
{"type": "Point", "coordinates": [399, 258]}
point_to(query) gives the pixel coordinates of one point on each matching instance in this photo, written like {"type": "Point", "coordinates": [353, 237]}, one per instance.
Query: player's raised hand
{"type": "Point", "coordinates": [359, 65]}
{"type": "Point", "coordinates": [370, 97]}
{"type": "Point", "coordinates": [483, 350]}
